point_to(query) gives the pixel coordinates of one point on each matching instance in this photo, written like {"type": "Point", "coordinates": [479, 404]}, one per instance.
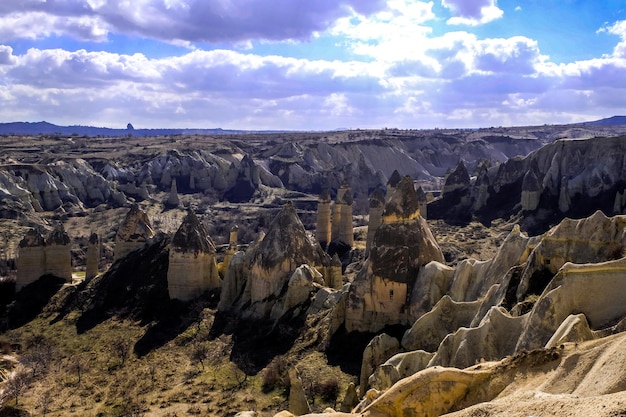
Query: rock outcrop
{"type": "Point", "coordinates": [269, 265]}
{"type": "Point", "coordinates": [402, 245]}
{"type": "Point", "coordinates": [31, 261]}
{"type": "Point", "coordinates": [565, 178]}
{"type": "Point", "coordinates": [133, 233]}
{"type": "Point", "coordinates": [323, 226]}
{"type": "Point", "coordinates": [40, 256]}
{"type": "Point", "coordinates": [376, 208]}
{"type": "Point", "coordinates": [93, 256]}
{"type": "Point", "coordinates": [192, 266]}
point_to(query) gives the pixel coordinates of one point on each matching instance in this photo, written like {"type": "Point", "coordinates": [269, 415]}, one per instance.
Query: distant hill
{"type": "Point", "coordinates": [609, 121]}
{"type": "Point", "coordinates": [45, 128]}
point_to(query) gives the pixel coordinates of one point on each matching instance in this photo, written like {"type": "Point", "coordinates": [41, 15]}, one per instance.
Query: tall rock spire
{"type": "Point", "coordinates": [192, 266]}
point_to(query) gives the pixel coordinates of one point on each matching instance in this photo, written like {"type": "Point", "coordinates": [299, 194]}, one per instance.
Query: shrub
{"type": "Point", "coordinates": [275, 375]}
{"type": "Point", "coordinates": [329, 390]}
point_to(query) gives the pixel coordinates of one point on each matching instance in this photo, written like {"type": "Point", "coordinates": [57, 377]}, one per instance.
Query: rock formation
{"type": "Point", "coordinates": [402, 245]}
{"type": "Point", "coordinates": [172, 198]}
{"type": "Point", "coordinates": [133, 233]}
{"type": "Point", "coordinates": [335, 274]}
{"type": "Point", "coordinates": [376, 207]}
{"type": "Point", "coordinates": [457, 180]}
{"type": "Point", "coordinates": [265, 273]}
{"type": "Point", "coordinates": [531, 191]}
{"type": "Point", "coordinates": [40, 256]}
{"type": "Point", "coordinates": [192, 265]}
{"type": "Point", "coordinates": [392, 183]}
{"type": "Point", "coordinates": [338, 210]}
{"type": "Point", "coordinates": [376, 352]}
{"type": "Point", "coordinates": [59, 254]}
{"type": "Point", "coordinates": [233, 247]}
{"type": "Point", "coordinates": [323, 228]}
{"type": "Point", "coordinates": [93, 256]}
{"type": "Point", "coordinates": [346, 231]}
{"type": "Point", "coordinates": [298, 403]}
{"type": "Point", "coordinates": [423, 202]}
{"type": "Point", "coordinates": [31, 261]}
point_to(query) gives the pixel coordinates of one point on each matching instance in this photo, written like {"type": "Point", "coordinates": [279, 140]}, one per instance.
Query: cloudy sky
{"type": "Point", "coordinates": [312, 64]}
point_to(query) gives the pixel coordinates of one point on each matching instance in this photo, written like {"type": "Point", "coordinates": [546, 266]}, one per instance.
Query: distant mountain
{"type": "Point", "coordinates": [609, 121]}
{"type": "Point", "coordinates": [45, 128]}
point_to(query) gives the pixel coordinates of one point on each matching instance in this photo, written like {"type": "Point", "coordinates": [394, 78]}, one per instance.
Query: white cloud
{"type": "Point", "coordinates": [619, 29]}
{"type": "Point", "coordinates": [175, 20]}
{"type": "Point", "coordinates": [472, 12]}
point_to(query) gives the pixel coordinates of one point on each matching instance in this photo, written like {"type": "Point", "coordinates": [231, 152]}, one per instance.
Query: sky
{"type": "Point", "coordinates": [312, 64]}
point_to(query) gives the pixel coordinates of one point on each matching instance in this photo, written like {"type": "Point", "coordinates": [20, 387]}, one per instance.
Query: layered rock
{"type": "Point", "coordinates": [192, 266]}
{"type": "Point", "coordinates": [402, 245]}
{"type": "Point", "coordinates": [133, 233]}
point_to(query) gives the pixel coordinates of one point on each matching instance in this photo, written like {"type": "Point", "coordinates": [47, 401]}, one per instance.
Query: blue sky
{"type": "Point", "coordinates": [301, 64]}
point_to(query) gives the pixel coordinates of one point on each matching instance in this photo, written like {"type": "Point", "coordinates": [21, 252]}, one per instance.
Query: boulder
{"type": "Point", "coordinates": [377, 351]}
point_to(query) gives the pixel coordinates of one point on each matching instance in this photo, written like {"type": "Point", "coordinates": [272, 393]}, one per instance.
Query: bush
{"type": "Point", "coordinates": [275, 375]}
{"type": "Point", "coordinates": [329, 390]}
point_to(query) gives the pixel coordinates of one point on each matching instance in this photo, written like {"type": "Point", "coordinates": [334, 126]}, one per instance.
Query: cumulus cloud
{"type": "Point", "coordinates": [472, 12]}
{"type": "Point", "coordinates": [178, 20]}
{"type": "Point", "coordinates": [619, 29]}
{"type": "Point", "coordinates": [6, 55]}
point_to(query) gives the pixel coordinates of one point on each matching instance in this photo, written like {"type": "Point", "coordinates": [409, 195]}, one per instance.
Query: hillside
{"type": "Point", "coordinates": [491, 283]}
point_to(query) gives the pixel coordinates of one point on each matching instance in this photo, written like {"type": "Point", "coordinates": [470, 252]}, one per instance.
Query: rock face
{"type": "Point", "coordinates": [570, 178]}
{"type": "Point", "coordinates": [40, 256]}
{"type": "Point", "coordinates": [133, 233]}
{"type": "Point", "coordinates": [93, 256]}
{"type": "Point", "coordinates": [402, 245]}
{"type": "Point", "coordinates": [376, 352]}
{"type": "Point", "coordinates": [484, 312]}
{"type": "Point", "coordinates": [267, 272]}
{"type": "Point", "coordinates": [192, 264]}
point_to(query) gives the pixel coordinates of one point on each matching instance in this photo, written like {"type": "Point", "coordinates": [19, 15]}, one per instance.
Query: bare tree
{"type": "Point", "coordinates": [40, 353]}
{"type": "Point", "coordinates": [78, 364]}
{"type": "Point", "coordinates": [16, 383]}
{"type": "Point", "coordinates": [120, 347]}
{"type": "Point", "coordinates": [199, 353]}
{"type": "Point", "coordinates": [44, 400]}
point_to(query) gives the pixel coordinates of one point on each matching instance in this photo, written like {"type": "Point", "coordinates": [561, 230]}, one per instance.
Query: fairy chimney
{"type": "Point", "coordinates": [337, 211]}
{"type": "Point", "coordinates": [335, 279]}
{"type": "Point", "coordinates": [346, 228]}
{"type": "Point", "coordinates": [58, 253]}
{"type": "Point", "coordinates": [233, 247]}
{"type": "Point", "coordinates": [133, 233]}
{"type": "Point", "coordinates": [192, 265]}
{"type": "Point", "coordinates": [172, 199]}
{"type": "Point", "coordinates": [93, 256]}
{"type": "Point", "coordinates": [393, 182]}
{"type": "Point", "coordinates": [423, 202]}
{"type": "Point", "coordinates": [376, 207]}
{"type": "Point", "coordinates": [31, 260]}
{"type": "Point", "coordinates": [322, 230]}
